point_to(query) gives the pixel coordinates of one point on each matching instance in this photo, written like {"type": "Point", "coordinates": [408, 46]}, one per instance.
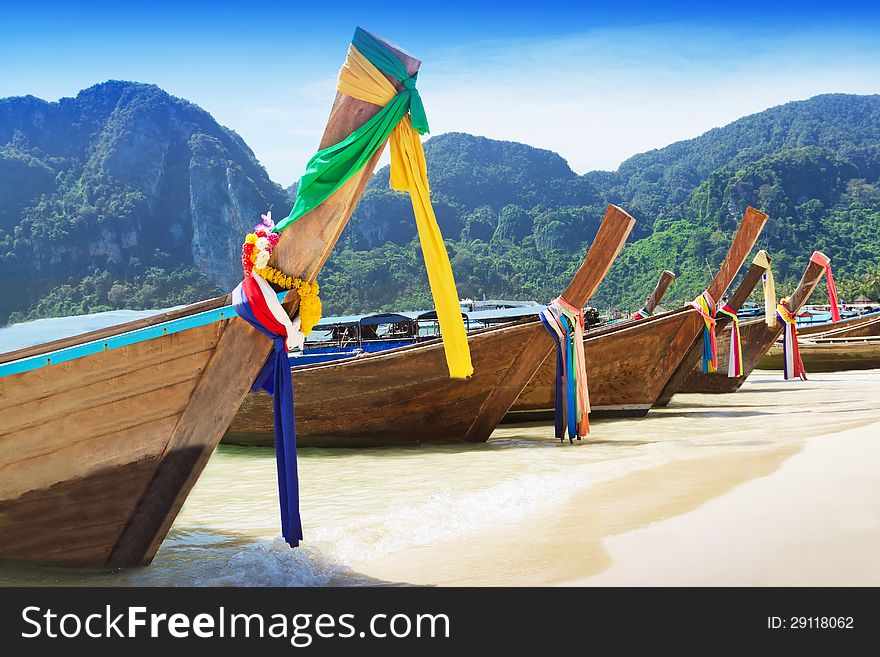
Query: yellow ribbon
{"type": "Point", "coordinates": [787, 316]}
{"type": "Point", "coordinates": [763, 260]}
{"type": "Point", "coordinates": [359, 79]}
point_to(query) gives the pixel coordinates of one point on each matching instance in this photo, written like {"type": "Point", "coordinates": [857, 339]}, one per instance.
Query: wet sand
{"type": "Point", "coordinates": [793, 500]}
{"type": "Point", "coordinates": [813, 521]}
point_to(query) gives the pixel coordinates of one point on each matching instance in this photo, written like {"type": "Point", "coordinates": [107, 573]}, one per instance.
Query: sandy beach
{"type": "Point", "coordinates": [812, 520]}
{"type": "Point", "coordinates": [792, 499]}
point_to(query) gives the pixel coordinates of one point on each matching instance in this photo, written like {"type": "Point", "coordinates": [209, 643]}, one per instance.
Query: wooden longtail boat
{"type": "Point", "coordinates": [757, 338]}
{"type": "Point", "coordinates": [102, 436]}
{"type": "Point", "coordinates": [666, 279]}
{"type": "Point", "coordinates": [405, 396]}
{"type": "Point", "coordinates": [691, 362]}
{"type": "Point", "coordinates": [830, 354]}
{"type": "Point", "coordinates": [253, 424]}
{"type": "Point", "coordinates": [629, 364]}
{"type": "Point", "coordinates": [860, 326]}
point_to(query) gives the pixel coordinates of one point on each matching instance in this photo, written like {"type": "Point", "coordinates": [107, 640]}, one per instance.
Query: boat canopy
{"type": "Point", "coordinates": [343, 320]}
{"type": "Point", "coordinates": [386, 318]}
{"type": "Point", "coordinates": [432, 315]}
{"type": "Point", "coordinates": [506, 314]}
{"type": "Point", "coordinates": [470, 305]}
{"type": "Point", "coordinates": [495, 309]}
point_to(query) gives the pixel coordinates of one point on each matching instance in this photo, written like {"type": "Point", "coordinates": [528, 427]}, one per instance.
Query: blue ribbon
{"type": "Point", "coordinates": [558, 415]}
{"type": "Point", "coordinates": [565, 364]}
{"type": "Point", "coordinates": [707, 349]}
{"type": "Point", "coordinates": [275, 378]}
{"type": "Point", "coordinates": [571, 379]}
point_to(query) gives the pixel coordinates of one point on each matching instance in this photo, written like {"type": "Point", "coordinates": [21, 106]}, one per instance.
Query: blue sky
{"type": "Point", "coordinates": [596, 82]}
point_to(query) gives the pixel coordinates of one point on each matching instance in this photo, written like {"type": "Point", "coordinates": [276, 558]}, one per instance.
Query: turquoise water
{"type": "Point", "coordinates": [25, 334]}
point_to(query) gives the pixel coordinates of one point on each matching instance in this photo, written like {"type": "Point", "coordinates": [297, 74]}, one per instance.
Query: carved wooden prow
{"type": "Point", "coordinates": [749, 282]}
{"type": "Point", "coordinates": [752, 223]}
{"type": "Point", "coordinates": [615, 228]}
{"type": "Point", "coordinates": [318, 231]}
{"type": "Point", "coordinates": [666, 279]}
{"type": "Point", "coordinates": [302, 250]}
{"type": "Point", "coordinates": [757, 336]}
{"type": "Point", "coordinates": [749, 229]}
{"type": "Point", "coordinates": [812, 275]}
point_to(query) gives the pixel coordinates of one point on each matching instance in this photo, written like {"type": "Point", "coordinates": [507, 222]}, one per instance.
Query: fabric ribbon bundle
{"type": "Point", "coordinates": [565, 324]}
{"type": "Point", "coordinates": [705, 305]}
{"type": "Point", "coordinates": [402, 119]}
{"type": "Point", "coordinates": [735, 366]}
{"type": "Point", "coordinates": [256, 303]}
{"type": "Point", "coordinates": [642, 313]}
{"type": "Point", "coordinates": [792, 365]}
{"type": "Point", "coordinates": [825, 262]}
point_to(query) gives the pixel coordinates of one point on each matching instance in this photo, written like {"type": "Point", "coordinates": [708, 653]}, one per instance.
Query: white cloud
{"type": "Point", "coordinates": [602, 97]}
{"type": "Point", "coordinates": [596, 98]}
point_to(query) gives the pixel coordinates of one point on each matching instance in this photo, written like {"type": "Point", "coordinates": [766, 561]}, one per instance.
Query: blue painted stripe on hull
{"type": "Point", "coordinates": [122, 340]}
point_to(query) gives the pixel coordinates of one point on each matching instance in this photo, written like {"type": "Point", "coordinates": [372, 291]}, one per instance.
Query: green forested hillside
{"type": "Point", "coordinates": [517, 220]}
{"type": "Point", "coordinates": [121, 197]}
{"type": "Point", "coordinates": [127, 197]}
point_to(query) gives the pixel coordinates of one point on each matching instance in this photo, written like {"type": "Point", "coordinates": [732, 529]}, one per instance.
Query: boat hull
{"type": "Point", "coordinates": [332, 402]}
{"type": "Point", "coordinates": [632, 365]}
{"type": "Point", "coordinates": [397, 397]}
{"type": "Point", "coordinates": [691, 361]}
{"type": "Point", "coordinates": [830, 355]}
{"type": "Point", "coordinates": [627, 367]}
{"type": "Point", "coordinates": [82, 440]}
{"type": "Point", "coordinates": [862, 326]}
{"type": "Point", "coordinates": [756, 339]}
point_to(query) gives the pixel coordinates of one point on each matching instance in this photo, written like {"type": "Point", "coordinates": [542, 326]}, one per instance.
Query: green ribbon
{"type": "Point", "coordinates": [332, 167]}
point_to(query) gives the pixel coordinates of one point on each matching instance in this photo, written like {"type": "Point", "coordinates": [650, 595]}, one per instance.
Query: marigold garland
{"type": "Point", "coordinates": [309, 302]}
{"type": "Point", "coordinates": [255, 254]}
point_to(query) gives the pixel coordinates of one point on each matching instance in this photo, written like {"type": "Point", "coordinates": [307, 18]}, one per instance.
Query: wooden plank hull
{"type": "Point", "coordinates": [81, 440]}
{"type": "Point", "coordinates": [862, 326]}
{"type": "Point", "coordinates": [395, 397]}
{"type": "Point", "coordinates": [756, 338]}
{"type": "Point", "coordinates": [865, 330]}
{"type": "Point", "coordinates": [690, 362]}
{"type": "Point", "coordinates": [830, 355]}
{"type": "Point", "coordinates": [253, 425]}
{"type": "Point", "coordinates": [403, 416]}
{"type": "Point", "coordinates": [98, 453]}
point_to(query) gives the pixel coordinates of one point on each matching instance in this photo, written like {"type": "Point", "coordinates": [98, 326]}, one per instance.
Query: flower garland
{"type": "Point", "coordinates": [255, 254]}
